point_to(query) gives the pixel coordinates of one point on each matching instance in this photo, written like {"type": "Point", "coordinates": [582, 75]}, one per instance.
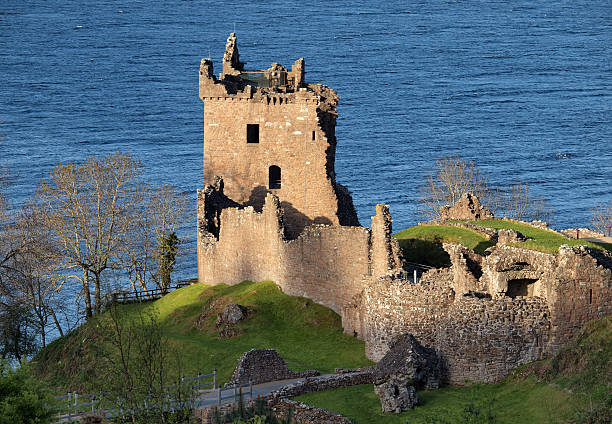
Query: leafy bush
{"type": "Point", "coordinates": [23, 399]}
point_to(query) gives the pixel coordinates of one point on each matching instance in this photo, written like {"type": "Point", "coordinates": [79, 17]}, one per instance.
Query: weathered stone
{"type": "Point", "coordinates": [509, 236]}
{"type": "Point", "coordinates": [515, 307]}
{"type": "Point", "coordinates": [232, 314]}
{"type": "Point", "coordinates": [397, 394]}
{"type": "Point", "coordinates": [408, 361]}
{"type": "Point", "coordinates": [467, 207]}
{"type": "Point", "coordinates": [264, 365]}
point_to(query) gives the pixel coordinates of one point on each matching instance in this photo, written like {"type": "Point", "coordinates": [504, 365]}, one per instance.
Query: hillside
{"type": "Point", "coordinates": [307, 335]}
{"type": "Point", "coordinates": [572, 386]}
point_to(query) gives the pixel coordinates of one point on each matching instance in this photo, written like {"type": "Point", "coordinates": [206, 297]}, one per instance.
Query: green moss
{"type": "Point", "coordinates": [307, 335]}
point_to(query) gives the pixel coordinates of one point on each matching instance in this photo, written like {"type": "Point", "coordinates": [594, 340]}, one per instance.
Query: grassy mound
{"type": "Point", "coordinates": [423, 243]}
{"type": "Point", "coordinates": [307, 335]}
{"type": "Point", "coordinates": [573, 385]}
{"type": "Point", "coordinates": [543, 240]}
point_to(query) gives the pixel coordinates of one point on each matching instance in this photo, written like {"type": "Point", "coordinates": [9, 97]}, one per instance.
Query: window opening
{"type": "Point", "coordinates": [590, 296]}
{"type": "Point", "coordinates": [252, 133]}
{"type": "Point", "coordinates": [274, 177]}
{"type": "Point", "coordinates": [314, 136]}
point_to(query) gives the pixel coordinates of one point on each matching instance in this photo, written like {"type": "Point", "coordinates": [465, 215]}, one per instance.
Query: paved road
{"type": "Point", "coordinates": [210, 397]}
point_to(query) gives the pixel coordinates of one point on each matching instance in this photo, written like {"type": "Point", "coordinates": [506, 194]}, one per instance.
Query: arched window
{"type": "Point", "coordinates": [274, 177]}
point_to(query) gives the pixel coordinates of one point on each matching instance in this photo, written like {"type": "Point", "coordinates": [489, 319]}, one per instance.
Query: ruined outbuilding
{"type": "Point", "coordinates": [486, 315]}
{"type": "Point", "coordinates": [271, 208]}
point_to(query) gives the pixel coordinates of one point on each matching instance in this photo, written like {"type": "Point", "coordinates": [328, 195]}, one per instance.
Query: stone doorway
{"type": "Point", "coordinates": [520, 287]}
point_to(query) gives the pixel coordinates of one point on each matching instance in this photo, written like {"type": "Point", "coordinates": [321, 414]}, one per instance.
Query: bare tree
{"type": "Point", "coordinates": [155, 219]}
{"type": "Point", "coordinates": [520, 204]}
{"type": "Point", "coordinates": [31, 271]}
{"type": "Point", "coordinates": [86, 208]}
{"type": "Point", "coordinates": [601, 218]}
{"type": "Point", "coordinates": [452, 178]}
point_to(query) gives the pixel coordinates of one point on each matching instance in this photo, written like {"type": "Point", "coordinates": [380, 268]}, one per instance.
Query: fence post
{"type": "Point", "coordinates": [219, 397]}
{"type": "Point", "coordinates": [415, 276]}
{"type": "Point", "coordinates": [93, 404]}
{"type": "Point", "coordinates": [234, 392]}
{"type": "Point", "coordinates": [215, 379]}
{"type": "Point", "coordinates": [251, 387]}
{"type": "Point", "coordinates": [199, 377]}
{"type": "Point", "coordinates": [69, 410]}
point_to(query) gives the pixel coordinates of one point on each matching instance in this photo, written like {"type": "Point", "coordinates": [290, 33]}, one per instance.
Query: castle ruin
{"type": "Point", "coordinates": [271, 209]}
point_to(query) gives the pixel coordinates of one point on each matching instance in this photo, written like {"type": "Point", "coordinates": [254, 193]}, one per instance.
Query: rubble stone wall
{"type": "Point", "coordinates": [481, 332]}
{"type": "Point", "coordinates": [262, 366]}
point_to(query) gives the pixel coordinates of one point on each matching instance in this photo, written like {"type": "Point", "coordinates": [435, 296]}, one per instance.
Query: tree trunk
{"type": "Point", "coordinates": [87, 295]}
{"type": "Point", "coordinates": [98, 293]}
{"type": "Point", "coordinates": [57, 324]}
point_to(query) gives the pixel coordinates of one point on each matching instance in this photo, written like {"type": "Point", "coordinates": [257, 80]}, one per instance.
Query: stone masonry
{"type": "Point", "coordinates": [271, 208]}
{"type": "Point", "coordinates": [487, 314]}
{"type": "Point", "coordinates": [263, 365]}
{"type": "Point", "coordinates": [271, 132]}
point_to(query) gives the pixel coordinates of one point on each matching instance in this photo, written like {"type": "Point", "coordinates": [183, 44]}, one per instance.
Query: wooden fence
{"type": "Point", "coordinates": [141, 295]}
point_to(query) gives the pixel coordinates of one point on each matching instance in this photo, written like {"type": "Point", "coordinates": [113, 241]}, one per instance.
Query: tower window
{"type": "Point", "coordinates": [252, 133]}
{"type": "Point", "coordinates": [314, 136]}
{"type": "Point", "coordinates": [274, 177]}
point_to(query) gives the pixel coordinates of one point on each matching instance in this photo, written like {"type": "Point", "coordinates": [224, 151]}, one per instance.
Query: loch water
{"type": "Point", "coordinates": [522, 88]}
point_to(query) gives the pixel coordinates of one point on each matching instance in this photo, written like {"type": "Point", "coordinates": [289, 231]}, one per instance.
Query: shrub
{"type": "Point", "coordinates": [23, 399]}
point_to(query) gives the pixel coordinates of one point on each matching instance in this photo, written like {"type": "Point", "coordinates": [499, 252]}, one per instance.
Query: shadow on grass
{"type": "Point", "coordinates": [482, 246]}
{"type": "Point", "coordinates": [426, 252]}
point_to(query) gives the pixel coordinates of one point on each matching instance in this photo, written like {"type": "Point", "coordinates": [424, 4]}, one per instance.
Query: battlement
{"type": "Point", "coordinates": [236, 81]}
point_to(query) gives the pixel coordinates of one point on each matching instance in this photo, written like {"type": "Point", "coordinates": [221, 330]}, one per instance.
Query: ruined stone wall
{"type": "Point", "coordinates": [471, 315]}
{"type": "Point", "coordinates": [477, 339]}
{"type": "Point", "coordinates": [328, 264]}
{"type": "Point", "coordinates": [584, 294]}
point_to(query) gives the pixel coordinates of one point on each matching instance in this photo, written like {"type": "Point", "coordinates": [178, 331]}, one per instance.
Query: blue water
{"type": "Point", "coordinates": [523, 88]}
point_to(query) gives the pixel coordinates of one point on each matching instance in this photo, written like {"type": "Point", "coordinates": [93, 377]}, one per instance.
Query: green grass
{"type": "Point", "coordinates": [423, 243]}
{"type": "Point", "coordinates": [543, 240]}
{"type": "Point", "coordinates": [306, 335]}
{"type": "Point", "coordinates": [527, 402]}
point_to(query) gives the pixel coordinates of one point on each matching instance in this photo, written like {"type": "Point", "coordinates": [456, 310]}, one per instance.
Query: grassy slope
{"type": "Point", "coordinates": [540, 392]}
{"type": "Point", "coordinates": [543, 240]}
{"type": "Point", "coordinates": [307, 335]}
{"type": "Point", "coordinates": [527, 402]}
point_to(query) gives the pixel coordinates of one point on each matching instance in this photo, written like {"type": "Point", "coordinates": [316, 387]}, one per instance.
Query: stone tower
{"type": "Point", "coordinates": [269, 131]}
{"type": "Point", "coordinates": [270, 208]}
